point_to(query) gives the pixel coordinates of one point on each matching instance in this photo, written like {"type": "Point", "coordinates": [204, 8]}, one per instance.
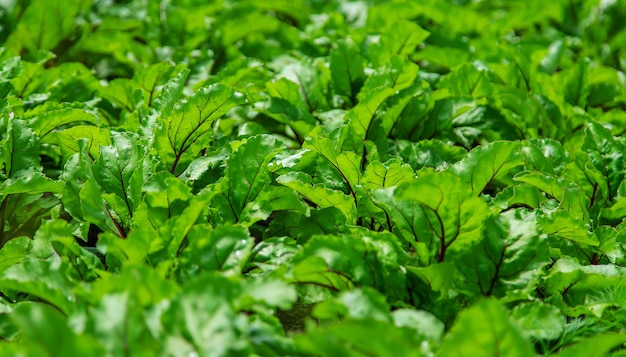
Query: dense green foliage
{"type": "Point", "coordinates": [312, 178]}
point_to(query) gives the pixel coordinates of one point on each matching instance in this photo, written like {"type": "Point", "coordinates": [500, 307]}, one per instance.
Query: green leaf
{"type": "Point", "coordinates": [429, 153]}
{"type": "Point", "coordinates": [247, 173]}
{"type": "Point", "coordinates": [517, 73]}
{"type": "Point", "coordinates": [412, 110]}
{"type": "Point", "coordinates": [561, 224]}
{"type": "Point", "coordinates": [78, 85]}
{"type": "Point", "coordinates": [49, 117]}
{"type": "Point", "coordinates": [159, 85]}
{"type": "Point", "coordinates": [535, 116]}
{"type": "Point", "coordinates": [485, 329]}
{"type": "Point", "coordinates": [95, 210]}
{"type": "Point", "coordinates": [378, 175]}
{"type": "Point", "coordinates": [82, 196]}
{"type": "Point", "coordinates": [30, 73]}
{"type": "Point", "coordinates": [585, 289]}
{"type": "Point", "coordinates": [610, 246]}
{"type": "Point", "coordinates": [121, 325]}
{"type": "Point", "coordinates": [341, 262]}
{"type": "Point", "coordinates": [260, 23]}
{"type": "Point", "coordinates": [302, 227]}
{"type": "Point", "coordinates": [68, 140]}
{"type": "Point", "coordinates": [442, 56]}
{"type": "Point", "coordinates": [397, 74]}
{"type": "Point", "coordinates": [486, 164]}
{"type": "Point", "coordinates": [446, 214]}
{"type": "Point", "coordinates": [86, 200]}
{"type": "Point", "coordinates": [401, 38]}
{"type": "Point", "coordinates": [297, 10]}
{"type": "Point", "coordinates": [570, 197]}
{"type": "Point", "coordinates": [594, 346]}
{"type": "Point", "coordinates": [9, 68]}
{"type": "Point", "coordinates": [287, 90]}
{"type": "Point", "coordinates": [171, 92]}
{"type": "Point", "coordinates": [321, 197]}
{"type": "Point", "coordinates": [544, 155]}
{"type": "Point", "coordinates": [508, 260]}
{"type": "Point", "coordinates": [346, 164]}
{"type": "Point", "coordinates": [425, 323]}
{"type": "Point", "coordinates": [553, 185]}
{"type": "Point", "coordinates": [617, 211]}
{"type": "Point", "coordinates": [135, 248]}
{"type": "Point", "coordinates": [607, 156]}
{"type": "Point", "coordinates": [346, 68]}
{"type": "Point", "coordinates": [272, 253]}
{"type": "Point", "coordinates": [150, 79]}
{"type": "Point", "coordinates": [173, 234]}
{"type": "Point", "coordinates": [550, 62]}
{"type": "Point", "coordinates": [379, 17]}
{"type": "Point", "coordinates": [144, 285]}
{"type": "Point", "coordinates": [57, 19]}
{"type": "Point", "coordinates": [119, 169]}
{"type": "Point", "coordinates": [45, 279]}
{"type": "Point", "coordinates": [404, 214]}
{"type": "Point", "coordinates": [361, 117]}
{"type": "Point", "coordinates": [165, 198]}
{"type": "Point", "coordinates": [360, 338]}
{"type": "Point", "coordinates": [604, 86]}
{"type": "Point", "coordinates": [460, 120]}
{"type": "Point", "coordinates": [296, 117]}
{"type": "Point", "coordinates": [397, 109]}
{"type": "Point", "coordinates": [14, 251]}
{"type": "Point", "coordinates": [188, 129]}
{"type": "Point", "coordinates": [21, 148]}
{"type": "Point", "coordinates": [210, 326]}
{"type": "Point", "coordinates": [468, 79]}
{"type": "Point", "coordinates": [124, 93]}
{"type": "Point", "coordinates": [43, 326]}
{"type": "Point", "coordinates": [539, 320]}
{"type": "Point", "coordinates": [312, 77]}
{"type": "Point", "coordinates": [575, 83]}
{"type": "Point", "coordinates": [223, 249]}
{"type": "Point", "coordinates": [519, 196]}
{"type": "Point", "coordinates": [30, 183]}
{"type": "Point", "coordinates": [269, 292]}
{"type": "Point", "coordinates": [23, 213]}
{"type": "Point", "coordinates": [60, 234]}
{"type": "Point", "coordinates": [437, 277]}
{"type": "Point", "coordinates": [360, 303]}
{"type": "Point", "coordinates": [288, 105]}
